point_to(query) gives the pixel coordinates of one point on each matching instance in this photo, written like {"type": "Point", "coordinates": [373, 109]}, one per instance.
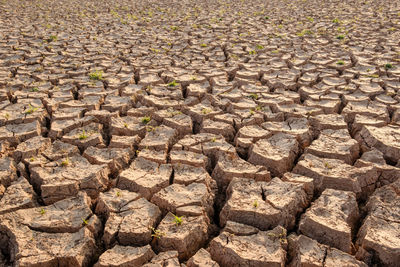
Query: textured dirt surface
{"type": "Point", "coordinates": [199, 133]}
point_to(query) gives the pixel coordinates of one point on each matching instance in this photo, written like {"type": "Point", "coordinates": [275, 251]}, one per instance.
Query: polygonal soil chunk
{"type": "Point", "coordinates": [165, 259]}
{"type": "Point", "coordinates": [19, 195]}
{"type": "Point", "coordinates": [305, 251]}
{"type": "Point", "coordinates": [385, 139]}
{"type": "Point", "coordinates": [129, 142]}
{"type": "Point", "coordinates": [145, 177]}
{"type": "Point", "coordinates": [59, 128]}
{"type": "Point", "coordinates": [379, 235]}
{"type": "Point", "coordinates": [328, 121]}
{"type": "Point", "coordinates": [335, 144]}
{"type": "Point", "coordinates": [64, 177]}
{"type": "Point", "coordinates": [277, 153]}
{"type": "Point", "coordinates": [31, 147]}
{"type": "Point", "coordinates": [117, 103]}
{"type": "Point", "coordinates": [371, 109]}
{"type": "Point", "coordinates": [129, 126]}
{"type": "Point", "coordinates": [115, 158]}
{"type": "Point", "coordinates": [159, 138]}
{"type": "Point", "coordinates": [218, 127]}
{"type": "Point", "coordinates": [59, 150]}
{"type": "Point", "coordinates": [88, 135]}
{"type": "Point", "coordinates": [176, 197]}
{"type": "Point", "coordinates": [255, 249]}
{"type": "Point", "coordinates": [361, 120]}
{"type": "Point", "coordinates": [8, 171]}
{"type": "Point", "coordinates": [264, 204]}
{"type": "Point", "coordinates": [129, 217]}
{"type": "Point", "coordinates": [183, 234]}
{"type": "Point", "coordinates": [189, 158]}
{"type": "Point", "coordinates": [298, 127]}
{"type": "Point", "coordinates": [229, 167]}
{"type": "Point", "coordinates": [202, 258]}
{"type": "Point", "coordinates": [331, 219]}
{"type": "Point", "coordinates": [387, 173]}
{"type": "Point", "coordinates": [335, 174]}
{"type": "Point", "coordinates": [125, 256]}
{"type": "Point", "coordinates": [156, 156]}
{"type": "Point", "coordinates": [16, 133]}
{"type": "Point", "coordinates": [58, 235]}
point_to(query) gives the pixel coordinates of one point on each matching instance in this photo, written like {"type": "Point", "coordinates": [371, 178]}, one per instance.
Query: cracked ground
{"type": "Point", "coordinates": [199, 133]}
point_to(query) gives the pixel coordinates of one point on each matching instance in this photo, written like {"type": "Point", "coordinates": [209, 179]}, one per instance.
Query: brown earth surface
{"type": "Point", "coordinates": [199, 133]}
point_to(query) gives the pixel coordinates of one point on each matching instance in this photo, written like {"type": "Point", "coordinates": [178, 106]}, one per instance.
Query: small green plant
{"type": "Point", "coordinates": [327, 165]}
{"type": "Point", "coordinates": [203, 45]}
{"type": "Point", "coordinates": [35, 89]}
{"type": "Point", "coordinates": [52, 38]}
{"type": "Point", "coordinates": [340, 37]}
{"type": "Point", "coordinates": [206, 111]}
{"type": "Point", "coordinates": [118, 194]}
{"type": "Point", "coordinates": [253, 96]}
{"type": "Point", "coordinates": [252, 52]}
{"type": "Point", "coordinates": [259, 47]}
{"type": "Point", "coordinates": [42, 211]}
{"type": "Point", "coordinates": [83, 135]}
{"type": "Point", "coordinates": [30, 109]}
{"type": "Point", "coordinates": [146, 119]}
{"type": "Point", "coordinates": [173, 83]}
{"type": "Point", "coordinates": [252, 112]}
{"type": "Point", "coordinates": [65, 162]}
{"type": "Point", "coordinates": [96, 75]}
{"type": "Point", "coordinates": [84, 222]}
{"type": "Point", "coordinates": [156, 233]}
{"type": "Point", "coordinates": [388, 66]}
{"type": "Point", "coordinates": [174, 28]}
{"type": "Point", "coordinates": [258, 108]}
{"type": "Point", "coordinates": [255, 204]}
{"type": "Point", "coordinates": [335, 21]}
{"type": "Point", "coordinates": [213, 139]}
{"type": "Point", "coordinates": [340, 62]}
{"type": "Point", "coordinates": [178, 220]}
{"type": "Point", "coordinates": [304, 32]}
{"type": "Point", "coordinates": [310, 19]}
{"type": "Point", "coordinates": [6, 116]}
{"type": "Point", "coordinates": [266, 17]}
{"type": "Point", "coordinates": [125, 125]}
{"type": "Point", "coordinates": [32, 159]}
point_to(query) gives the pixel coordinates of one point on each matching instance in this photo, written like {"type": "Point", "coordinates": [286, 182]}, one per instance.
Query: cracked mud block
{"type": "Point", "coordinates": [189, 158]}
{"type": "Point", "coordinates": [331, 219]}
{"type": "Point", "coordinates": [16, 133]}
{"type": "Point", "coordinates": [24, 111]}
{"type": "Point", "coordinates": [305, 251]}
{"type": "Point", "coordinates": [31, 147]}
{"type": "Point", "coordinates": [371, 109]}
{"type": "Point", "coordinates": [160, 157]}
{"type": "Point", "coordinates": [384, 139]}
{"type": "Point", "coordinates": [257, 248]}
{"type": "Point", "coordinates": [277, 153]}
{"type": "Point", "coordinates": [19, 195]}
{"type": "Point", "coordinates": [335, 144]}
{"type": "Point", "coordinates": [202, 258]}
{"type": "Point", "coordinates": [360, 121]}
{"type": "Point", "coordinates": [129, 217]}
{"type": "Point", "coordinates": [145, 177]}
{"type": "Point", "coordinates": [387, 173]}
{"type": "Point", "coordinates": [117, 103]}
{"type": "Point", "coordinates": [201, 111]}
{"type": "Point", "coordinates": [327, 121]}
{"type": "Point", "coordinates": [67, 114]}
{"type": "Point", "coordinates": [86, 136]}
{"type": "Point", "coordinates": [125, 256]}
{"type": "Point", "coordinates": [159, 138]}
{"type": "Point", "coordinates": [379, 236]}
{"type": "Point", "coordinates": [218, 127]}
{"type": "Point", "coordinates": [260, 204]}
{"type": "Point", "coordinates": [88, 103]}
{"type": "Point", "coordinates": [187, 174]}
{"type": "Point", "coordinates": [64, 178]}
{"type": "Point", "coordinates": [102, 116]}
{"type": "Point", "coordinates": [185, 237]}
{"type": "Point", "coordinates": [168, 259]}
{"type": "Point", "coordinates": [58, 128]}
{"type": "Point", "coordinates": [195, 198]}
{"type": "Point", "coordinates": [129, 126]}
{"type": "Point", "coordinates": [8, 171]}
{"type": "Point", "coordinates": [298, 127]}
{"type": "Point", "coordinates": [336, 174]}
{"type": "Point", "coordinates": [59, 150]}
{"type": "Point", "coordinates": [115, 158]}
{"type": "Point", "coordinates": [124, 142]}
{"type": "Point", "coordinates": [61, 234]}
{"type": "Point", "coordinates": [230, 167]}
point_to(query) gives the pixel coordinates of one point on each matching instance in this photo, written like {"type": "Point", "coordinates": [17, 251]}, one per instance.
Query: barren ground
{"type": "Point", "coordinates": [199, 133]}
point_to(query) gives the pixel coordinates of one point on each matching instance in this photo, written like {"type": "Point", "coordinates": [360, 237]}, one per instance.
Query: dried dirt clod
{"type": "Point", "coordinates": [305, 251]}
{"type": "Point", "coordinates": [185, 234]}
{"type": "Point", "coordinates": [200, 259]}
{"type": "Point", "coordinates": [331, 219]}
{"type": "Point", "coordinates": [168, 258]}
{"type": "Point", "coordinates": [259, 249]}
{"type": "Point", "coordinates": [379, 233]}
{"type": "Point", "coordinates": [129, 217]}
{"type": "Point", "coordinates": [260, 204]}
{"type": "Point", "coordinates": [125, 256]}
{"type": "Point", "coordinates": [277, 153]}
